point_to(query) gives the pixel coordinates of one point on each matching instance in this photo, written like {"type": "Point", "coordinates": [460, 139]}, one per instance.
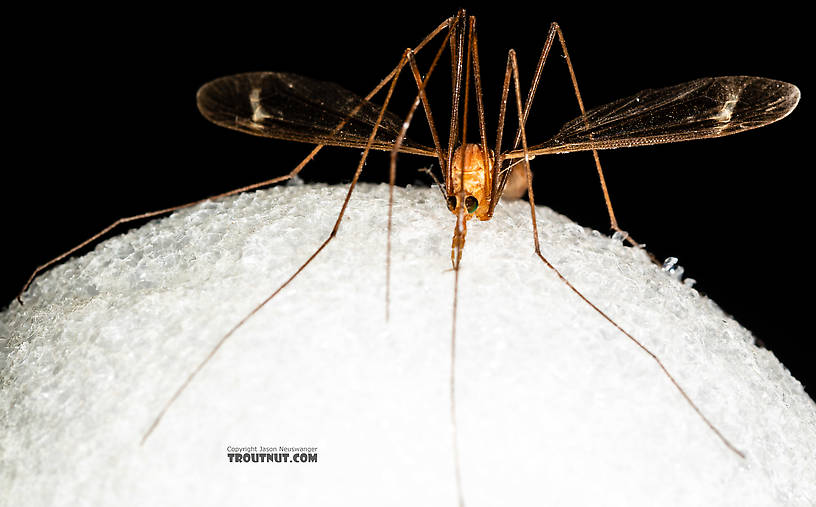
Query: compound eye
{"type": "Point", "coordinates": [452, 202]}
{"type": "Point", "coordinates": [471, 204]}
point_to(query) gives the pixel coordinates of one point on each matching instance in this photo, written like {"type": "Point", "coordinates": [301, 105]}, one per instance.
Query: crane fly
{"type": "Point", "coordinates": [475, 175]}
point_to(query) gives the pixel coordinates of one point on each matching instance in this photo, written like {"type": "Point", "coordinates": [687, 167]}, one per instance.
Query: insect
{"type": "Point", "coordinates": [475, 175]}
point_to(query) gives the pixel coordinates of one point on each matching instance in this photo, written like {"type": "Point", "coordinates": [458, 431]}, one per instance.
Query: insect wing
{"type": "Point", "coordinates": [708, 107]}
{"type": "Point", "coordinates": [296, 108]}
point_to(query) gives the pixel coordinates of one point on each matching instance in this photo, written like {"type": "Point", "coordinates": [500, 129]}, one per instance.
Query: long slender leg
{"type": "Point", "coordinates": [458, 241]}
{"type": "Point", "coordinates": [457, 45]}
{"type": "Point", "coordinates": [254, 186]}
{"type": "Point", "coordinates": [477, 83]}
{"type": "Point", "coordinates": [612, 220]}
{"type": "Point", "coordinates": [301, 268]}
{"type": "Point", "coordinates": [393, 76]}
{"type": "Point", "coordinates": [463, 124]}
{"type": "Point", "coordinates": [150, 214]}
{"type": "Point", "coordinates": [454, 427]}
{"type": "Point", "coordinates": [497, 189]}
{"type": "Point", "coordinates": [554, 30]}
{"type": "Point", "coordinates": [420, 97]}
{"type": "Point", "coordinates": [545, 51]}
{"type": "Point", "coordinates": [575, 290]}
{"type": "Point", "coordinates": [461, 225]}
{"type": "Point", "coordinates": [499, 186]}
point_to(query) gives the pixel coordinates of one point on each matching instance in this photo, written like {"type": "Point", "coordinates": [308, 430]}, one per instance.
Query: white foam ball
{"type": "Point", "coordinates": [555, 406]}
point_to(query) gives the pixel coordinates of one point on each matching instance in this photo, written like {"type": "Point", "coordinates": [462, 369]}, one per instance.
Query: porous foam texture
{"type": "Point", "coordinates": [555, 406]}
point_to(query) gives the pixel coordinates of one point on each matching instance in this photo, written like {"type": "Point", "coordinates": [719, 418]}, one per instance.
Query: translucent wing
{"type": "Point", "coordinates": [296, 108]}
{"type": "Point", "coordinates": [708, 107]}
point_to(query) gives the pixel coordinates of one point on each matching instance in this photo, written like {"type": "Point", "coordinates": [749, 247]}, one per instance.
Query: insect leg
{"type": "Point", "coordinates": [554, 27]}
{"type": "Point", "coordinates": [575, 290]}
{"type": "Point", "coordinates": [519, 187]}
{"type": "Point", "coordinates": [500, 183]}
{"type": "Point", "coordinates": [333, 233]}
{"type": "Point", "coordinates": [151, 214]}
{"type": "Point", "coordinates": [457, 44]}
{"type": "Point", "coordinates": [477, 83]}
{"type": "Point", "coordinates": [420, 97]}
{"type": "Point", "coordinates": [496, 188]}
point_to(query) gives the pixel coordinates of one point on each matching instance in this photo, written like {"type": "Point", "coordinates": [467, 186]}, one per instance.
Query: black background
{"type": "Point", "coordinates": [106, 126]}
